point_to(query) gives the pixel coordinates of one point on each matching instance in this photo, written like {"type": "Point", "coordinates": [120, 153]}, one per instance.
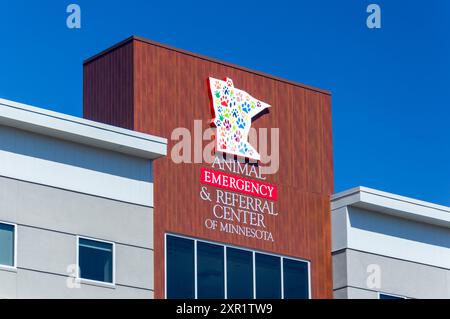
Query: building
{"type": "Point", "coordinates": [388, 246]}
{"type": "Point", "coordinates": [74, 192]}
{"type": "Point", "coordinates": [210, 241]}
{"type": "Point", "coordinates": [239, 207]}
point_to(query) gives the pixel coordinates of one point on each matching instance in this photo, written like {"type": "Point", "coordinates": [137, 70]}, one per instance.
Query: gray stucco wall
{"type": "Point", "coordinates": [48, 221]}
{"type": "Point", "coordinates": [351, 270]}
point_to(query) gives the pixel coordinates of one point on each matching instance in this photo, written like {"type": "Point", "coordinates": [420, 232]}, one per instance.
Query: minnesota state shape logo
{"type": "Point", "coordinates": [233, 113]}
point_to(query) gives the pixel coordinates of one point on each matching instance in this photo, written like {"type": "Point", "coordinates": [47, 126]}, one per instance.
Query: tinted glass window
{"type": "Point", "coordinates": [96, 260]}
{"type": "Point", "coordinates": [6, 245]}
{"type": "Point", "coordinates": [210, 271]}
{"type": "Point", "coordinates": [268, 276]}
{"type": "Point", "coordinates": [195, 268]}
{"type": "Point", "coordinates": [180, 268]}
{"type": "Point", "coordinates": [384, 296]}
{"type": "Point", "coordinates": [296, 282]}
{"type": "Point", "coordinates": [239, 274]}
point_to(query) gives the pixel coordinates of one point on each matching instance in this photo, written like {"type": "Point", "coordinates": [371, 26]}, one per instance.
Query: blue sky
{"type": "Point", "coordinates": [391, 93]}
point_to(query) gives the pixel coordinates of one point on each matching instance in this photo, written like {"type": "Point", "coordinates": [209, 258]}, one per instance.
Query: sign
{"type": "Point", "coordinates": [239, 205]}
{"type": "Point", "coordinates": [233, 113]}
{"type": "Point", "coordinates": [238, 184]}
{"type": "Point", "coordinates": [242, 203]}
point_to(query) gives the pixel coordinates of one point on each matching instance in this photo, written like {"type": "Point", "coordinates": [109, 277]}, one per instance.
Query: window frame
{"type": "Point", "coordinates": [225, 246]}
{"type": "Point", "coordinates": [253, 268]}
{"type": "Point", "coordinates": [165, 265]}
{"type": "Point", "coordinates": [14, 266]}
{"type": "Point", "coordinates": [91, 281]}
{"type": "Point", "coordinates": [224, 269]}
{"type": "Point", "coordinates": [255, 290]}
{"type": "Point", "coordinates": [282, 273]}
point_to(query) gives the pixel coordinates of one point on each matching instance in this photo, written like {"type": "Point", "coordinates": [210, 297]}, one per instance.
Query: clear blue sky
{"type": "Point", "coordinates": [391, 87]}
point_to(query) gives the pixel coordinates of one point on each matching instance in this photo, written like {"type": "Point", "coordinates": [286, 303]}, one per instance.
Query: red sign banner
{"type": "Point", "coordinates": [238, 184]}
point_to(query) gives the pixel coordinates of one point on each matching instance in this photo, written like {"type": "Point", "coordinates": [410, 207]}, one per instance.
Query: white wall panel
{"type": "Point", "coordinates": [398, 238]}
{"type": "Point", "coordinates": [48, 161]}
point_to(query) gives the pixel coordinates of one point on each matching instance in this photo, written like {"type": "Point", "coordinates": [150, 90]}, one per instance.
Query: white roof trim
{"type": "Point", "coordinates": [392, 204]}
{"type": "Point", "coordinates": [82, 131]}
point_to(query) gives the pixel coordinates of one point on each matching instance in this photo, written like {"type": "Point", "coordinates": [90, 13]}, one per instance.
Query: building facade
{"type": "Point", "coordinates": [210, 241]}
{"type": "Point", "coordinates": [232, 201]}
{"type": "Point", "coordinates": [388, 246]}
{"type": "Point", "coordinates": [76, 207]}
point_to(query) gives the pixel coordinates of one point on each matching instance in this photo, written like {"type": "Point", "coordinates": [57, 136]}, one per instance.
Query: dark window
{"type": "Point", "coordinates": [386, 296]}
{"type": "Point", "coordinates": [6, 245]}
{"type": "Point", "coordinates": [180, 268]}
{"type": "Point", "coordinates": [239, 274]}
{"type": "Point", "coordinates": [197, 269]}
{"type": "Point", "coordinates": [295, 279]}
{"type": "Point", "coordinates": [96, 260]}
{"type": "Point", "coordinates": [268, 276]}
{"type": "Point", "coordinates": [210, 271]}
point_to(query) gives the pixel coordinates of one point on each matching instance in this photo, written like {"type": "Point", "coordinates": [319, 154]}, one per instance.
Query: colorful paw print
{"type": "Point", "coordinates": [243, 148]}
{"type": "Point", "coordinates": [239, 97]}
{"type": "Point", "coordinates": [223, 144]}
{"type": "Point", "coordinates": [224, 101]}
{"type": "Point", "coordinates": [246, 107]}
{"type": "Point", "coordinates": [226, 90]}
{"type": "Point", "coordinates": [240, 123]}
{"type": "Point", "coordinates": [237, 136]}
{"type": "Point", "coordinates": [227, 124]}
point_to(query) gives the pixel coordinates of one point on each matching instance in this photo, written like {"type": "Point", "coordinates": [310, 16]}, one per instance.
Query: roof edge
{"type": "Point", "coordinates": [363, 189]}
{"type": "Point", "coordinates": [82, 131]}
{"type": "Point", "coordinates": [392, 204]}
{"type": "Point", "coordinates": [203, 57]}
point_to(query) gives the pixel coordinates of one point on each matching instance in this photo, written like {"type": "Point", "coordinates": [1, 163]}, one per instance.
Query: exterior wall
{"type": "Point", "coordinates": [392, 236]}
{"type": "Point", "coordinates": [385, 236]}
{"type": "Point", "coordinates": [170, 91]}
{"type": "Point", "coordinates": [67, 165]}
{"type": "Point", "coordinates": [397, 277]}
{"type": "Point", "coordinates": [49, 219]}
{"type": "Point", "coordinates": [355, 293]}
{"type": "Point", "coordinates": [116, 87]}
{"type": "Point", "coordinates": [26, 284]}
{"type": "Point", "coordinates": [62, 177]}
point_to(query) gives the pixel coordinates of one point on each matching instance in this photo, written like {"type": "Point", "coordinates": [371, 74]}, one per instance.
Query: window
{"type": "Point", "coordinates": [268, 276]}
{"type": "Point", "coordinates": [7, 245]}
{"type": "Point", "coordinates": [388, 296]}
{"type": "Point", "coordinates": [295, 279]}
{"type": "Point", "coordinates": [239, 274]}
{"type": "Point", "coordinates": [96, 260]}
{"type": "Point", "coordinates": [210, 271]}
{"type": "Point", "coordinates": [180, 268]}
{"type": "Point", "coordinates": [199, 269]}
